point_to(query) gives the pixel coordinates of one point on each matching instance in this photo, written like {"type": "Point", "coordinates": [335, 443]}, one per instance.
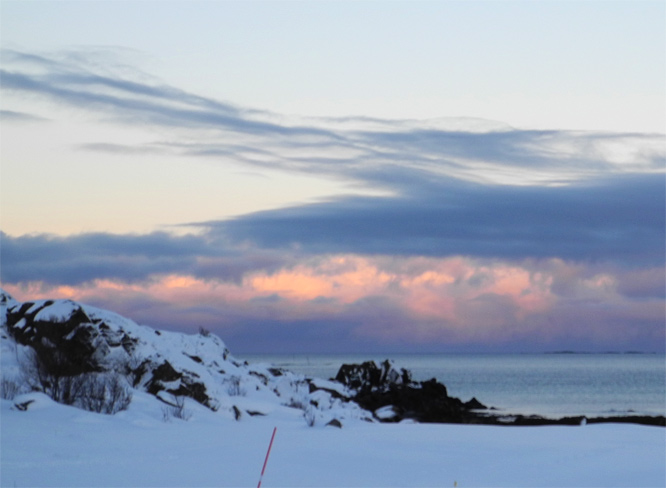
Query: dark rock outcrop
{"type": "Point", "coordinates": [75, 336]}
{"type": "Point", "coordinates": [372, 376]}
{"type": "Point", "coordinates": [380, 385]}
{"type": "Point", "coordinates": [393, 396]}
{"type": "Point", "coordinates": [83, 345]}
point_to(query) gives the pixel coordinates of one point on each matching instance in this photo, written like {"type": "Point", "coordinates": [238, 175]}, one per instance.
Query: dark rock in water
{"type": "Point", "coordinates": [393, 396]}
{"type": "Point", "coordinates": [382, 385]}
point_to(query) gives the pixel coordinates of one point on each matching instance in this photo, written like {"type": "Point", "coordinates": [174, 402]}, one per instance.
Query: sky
{"type": "Point", "coordinates": [344, 176]}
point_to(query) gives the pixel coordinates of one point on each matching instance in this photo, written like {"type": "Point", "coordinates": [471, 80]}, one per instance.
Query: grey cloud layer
{"type": "Point", "coordinates": [621, 219]}
{"type": "Point", "coordinates": [443, 197]}
{"type": "Point", "coordinates": [80, 259]}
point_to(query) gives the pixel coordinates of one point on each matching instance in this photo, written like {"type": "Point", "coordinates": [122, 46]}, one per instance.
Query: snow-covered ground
{"type": "Point", "coordinates": [56, 445]}
{"type": "Point", "coordinates": [51, 444]}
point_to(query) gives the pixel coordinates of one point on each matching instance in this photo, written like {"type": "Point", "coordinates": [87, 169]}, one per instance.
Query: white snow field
{"type": "Point", "coordinates": [50, 444]}
{"type": "Point", "coordinates": [55, 445]}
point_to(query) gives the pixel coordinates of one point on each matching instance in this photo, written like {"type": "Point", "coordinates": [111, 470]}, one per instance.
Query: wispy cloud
{"type": "Point", "coordinates": [355, 149]}
{"type": "Point", "coordinates": [14, 117]}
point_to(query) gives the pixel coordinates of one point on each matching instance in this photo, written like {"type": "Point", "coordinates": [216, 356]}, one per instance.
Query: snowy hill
{"type": "Point", "coordinates": [168, 365]}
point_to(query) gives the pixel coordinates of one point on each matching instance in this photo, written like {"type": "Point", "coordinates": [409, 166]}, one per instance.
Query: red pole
{"type": "Point", "coordinates": [268, 453]}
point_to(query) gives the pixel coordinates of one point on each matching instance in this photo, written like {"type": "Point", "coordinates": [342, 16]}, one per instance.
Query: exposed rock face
{"type": "Point", "coordinates": [372, 376]}
{"type": "Point", "coordinates": [64, 326]}
{"type": "Point", "coordinates": [393, 396]}
{"type": "Point", "coordinates": [86, 343]}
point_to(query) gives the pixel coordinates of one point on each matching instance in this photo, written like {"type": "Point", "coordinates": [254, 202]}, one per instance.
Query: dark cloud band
{"type": "Point", "coordinates": [619, 219]}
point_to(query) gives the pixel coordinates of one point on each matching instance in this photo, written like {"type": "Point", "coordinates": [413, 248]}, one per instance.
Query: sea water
{"type": "Point", "coordinates": [551, 385]}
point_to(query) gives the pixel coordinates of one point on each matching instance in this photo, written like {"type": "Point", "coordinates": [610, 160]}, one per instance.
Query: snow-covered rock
{"type": "Point", "coordinates": [372, 375]}
{"type": "Point", "coordinates": [387, 412]}
{"type": "Point", "coordinates": [167, 365]}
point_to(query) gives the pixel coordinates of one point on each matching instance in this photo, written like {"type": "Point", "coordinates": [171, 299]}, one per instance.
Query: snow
{"type": "Point", "coordinates": [230, 384]}
{"type": "Point", "coordinates": [385, 413]}
{"type": "Point", "coordinates": [58, 310]}
{"type": "Point", "coordinates": [51, 444]}
{"type": "Point", "coordinates": [55, 445]}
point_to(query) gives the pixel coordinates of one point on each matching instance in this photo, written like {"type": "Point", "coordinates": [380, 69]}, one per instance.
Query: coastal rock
{"type": "Point", "coordinates": [371, 375]}
{"type": "Point", "coordinates": [393, 396]}
{"type": "Point", "coordinates": [475, 404]}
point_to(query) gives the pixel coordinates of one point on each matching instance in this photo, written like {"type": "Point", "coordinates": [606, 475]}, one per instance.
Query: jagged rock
{"type": "Point", "coordinates": [475, 404]}
{"type": "Point", "coordinates": [195, 390]}
{"type": "Point", "coordinates": [63, 329]}
{"type": "Point", "coordinates": [165, 373]}
{"type": "Point", "coordinates": [371, 375]}
{"type": "Point", "coordinates": [68, 330]}
{"type": "Point", "coordinates": [393, 396]}
{"type": "Point", "coordinates": [276, 371]}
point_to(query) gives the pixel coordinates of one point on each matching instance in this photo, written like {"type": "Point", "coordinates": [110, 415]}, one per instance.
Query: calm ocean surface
{"type": "Point", "coordinates": [551, 385]}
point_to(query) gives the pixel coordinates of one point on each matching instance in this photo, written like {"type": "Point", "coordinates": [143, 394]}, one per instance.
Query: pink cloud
{"type": "Point", "coordinates": [417, 300]}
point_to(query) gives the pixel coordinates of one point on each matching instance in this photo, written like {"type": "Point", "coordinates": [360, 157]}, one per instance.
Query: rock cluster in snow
{"type": "Point", "coordinates": [168, 365]}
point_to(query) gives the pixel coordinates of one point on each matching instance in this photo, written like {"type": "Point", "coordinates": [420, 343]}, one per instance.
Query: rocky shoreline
{"type": "Point", "coordinates": [392, 395]}
{"type": "Point", "coordinates": [64, 343]}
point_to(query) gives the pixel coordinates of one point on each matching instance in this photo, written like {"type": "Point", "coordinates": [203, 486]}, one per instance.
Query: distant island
{"type": "Point", "coordinates": [599, 352]}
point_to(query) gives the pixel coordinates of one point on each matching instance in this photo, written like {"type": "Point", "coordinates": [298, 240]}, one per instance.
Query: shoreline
{"type": "Point", "coordinates": [527, 395]}
{"type": "Point", "coordinates": [392, 396]}
{"type": "Point", "coordinates": [537, 420]}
